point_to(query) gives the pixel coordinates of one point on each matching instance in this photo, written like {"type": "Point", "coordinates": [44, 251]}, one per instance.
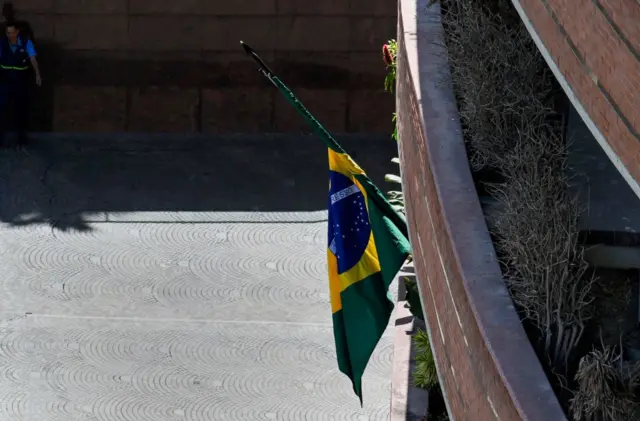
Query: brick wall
{"type": "Point", "coordinates": [486, 365]}
{"type": "Point", "coordinates": [595, 45]}
{"type": "Point", "coordinates": [177, 66]}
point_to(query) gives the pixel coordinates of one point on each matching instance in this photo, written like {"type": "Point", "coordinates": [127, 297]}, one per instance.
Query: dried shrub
{"type": "Point", "coordinates": [498, 76]}
{"type": "Point", "coordinates": [506, 97]}
{"type": "Point", "coordinates": [536, 230]}
{"type": "Point", "coordinates": [616, 308]}
{"type": "Point", "coordinates": [608, 388]}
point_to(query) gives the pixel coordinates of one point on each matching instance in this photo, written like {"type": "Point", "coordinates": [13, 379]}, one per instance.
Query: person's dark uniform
{"type": "Point", "coordinates": [15, 82]}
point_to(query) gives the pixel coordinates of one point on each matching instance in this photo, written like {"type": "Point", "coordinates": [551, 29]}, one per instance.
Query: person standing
{"type": "Point", "coordinates": [17, 57]}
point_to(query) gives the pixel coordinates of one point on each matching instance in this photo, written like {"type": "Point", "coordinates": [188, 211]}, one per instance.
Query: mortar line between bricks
{"type": "Point", "coordinates": [580, 56]}
{"type": "Point", "coordinates": [573, 96]}
{"type": "Point", "coordinates": [617, 29]}
{"type": "Point", "coordinates": [171, 320]}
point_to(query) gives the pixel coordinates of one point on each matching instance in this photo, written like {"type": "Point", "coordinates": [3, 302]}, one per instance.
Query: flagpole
{"type": "Point", "coordinates": [326, 137]}
{"type": "Point", "coordinates": [264, 69]}
{"type": "Point", "coordinates": [368, 304]}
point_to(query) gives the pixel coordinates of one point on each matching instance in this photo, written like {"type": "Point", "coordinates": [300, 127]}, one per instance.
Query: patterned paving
{"type": "Point", "coordinates": [132, 290]}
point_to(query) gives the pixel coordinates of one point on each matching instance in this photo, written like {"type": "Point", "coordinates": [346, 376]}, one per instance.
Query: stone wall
{"type": "Point", "coordinates": [486, 365]}
{"type": "Point", "coordinates": [593, 46]}
{"type": "Point", "coordinates": [177, 66]}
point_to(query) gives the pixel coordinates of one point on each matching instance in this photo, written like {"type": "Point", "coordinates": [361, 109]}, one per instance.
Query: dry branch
{"type": "Point", "coordinates": [607, 387]}
{"type": "Point", "coordinates": [505, 94]}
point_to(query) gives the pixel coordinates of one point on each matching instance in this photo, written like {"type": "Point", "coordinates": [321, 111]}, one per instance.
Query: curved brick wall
{"type": "Point", "coordinates": [486, 365]}
{"type": "Point", "coordinates": [593, 47]}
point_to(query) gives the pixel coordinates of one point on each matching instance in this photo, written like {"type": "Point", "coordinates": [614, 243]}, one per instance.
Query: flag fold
{"type": "Point", "coordinates": [366, 249]}
{"type": "Point", "coordinates": [367, 246]}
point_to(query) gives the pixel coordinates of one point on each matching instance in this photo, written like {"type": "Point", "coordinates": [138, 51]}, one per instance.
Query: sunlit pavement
{"type": "Point", "coordinates": [162, 282]}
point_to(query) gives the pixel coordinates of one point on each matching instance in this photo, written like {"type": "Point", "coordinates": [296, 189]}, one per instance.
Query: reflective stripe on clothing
{"type": "Point", "coordinates": [14, 58]}
{"type": "Point", "coordinates": [14, 67]}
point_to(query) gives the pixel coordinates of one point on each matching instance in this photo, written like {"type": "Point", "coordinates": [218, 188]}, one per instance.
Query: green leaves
{"type": "Point", "coordinates": [394, 135]}
{"type": "Point", "coordinates": [395, 197]}
{"type": "Point", "coordinates": [392, 178]}
{"type": "Point", "coordinates": [389, 55]}
{"type": "Point", "coordinates": [426, 375]}
{"type": "Point", "coordinates": [413, 297]}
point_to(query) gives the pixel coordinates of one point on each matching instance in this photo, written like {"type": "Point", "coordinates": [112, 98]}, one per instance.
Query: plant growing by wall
{"type": "Point", "coordinates": [389, 56]}
{"type": "Point", "coordinates": [413, 297]}
{"type": "Point", "coordinates": [426, 375]}
{"type": "Point", "coordinates": [396, 197]}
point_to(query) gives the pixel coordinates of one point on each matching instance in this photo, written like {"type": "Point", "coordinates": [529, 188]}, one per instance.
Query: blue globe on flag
{"type": "Point", "coordinates": [349, 228]}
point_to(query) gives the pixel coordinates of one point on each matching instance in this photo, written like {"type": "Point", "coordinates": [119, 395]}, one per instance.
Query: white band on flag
{"type": "Point", "coordinates": [344, 193]}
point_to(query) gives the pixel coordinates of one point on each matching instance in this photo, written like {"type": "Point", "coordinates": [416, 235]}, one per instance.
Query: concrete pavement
{"type": "Point", "coordinates": [173, 281]}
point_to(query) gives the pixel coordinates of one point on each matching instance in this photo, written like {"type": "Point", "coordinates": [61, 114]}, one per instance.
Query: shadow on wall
{"type": "Point", "coordinates": [42, 98]}
{"type": "Point", "coordinates": [119, 178]}
{"type": "Point", "coordinates": [96, 85]}
{"type": "Point", "coordinates": [110, 83]}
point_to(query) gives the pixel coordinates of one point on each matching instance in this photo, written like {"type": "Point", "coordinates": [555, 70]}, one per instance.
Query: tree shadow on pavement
{"type": "Point", "coordinates": [70, 182]}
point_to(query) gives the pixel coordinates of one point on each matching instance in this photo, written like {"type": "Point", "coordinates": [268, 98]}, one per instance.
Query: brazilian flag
{"type": "Point", "coordinates": [367, 246]}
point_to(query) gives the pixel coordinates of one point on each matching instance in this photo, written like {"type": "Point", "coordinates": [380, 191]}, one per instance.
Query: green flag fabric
{"type": "Point", "coordinates": [367, 246]}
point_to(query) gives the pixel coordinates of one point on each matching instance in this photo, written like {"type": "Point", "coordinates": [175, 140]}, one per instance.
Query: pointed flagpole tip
{"type": "Point", "coordinates": [247, 49]}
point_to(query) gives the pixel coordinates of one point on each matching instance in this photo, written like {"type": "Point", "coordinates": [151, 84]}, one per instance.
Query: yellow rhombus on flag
{"type": "Point", "coordinates": [367, 247]}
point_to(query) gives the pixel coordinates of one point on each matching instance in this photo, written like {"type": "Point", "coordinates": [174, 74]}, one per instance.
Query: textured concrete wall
{"type": "Point", "coordinates": [594, 48]}
{"type": "Point", "coordinates": [486, 365]}
{"type": "Point", "coordinates": [177, 66]}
